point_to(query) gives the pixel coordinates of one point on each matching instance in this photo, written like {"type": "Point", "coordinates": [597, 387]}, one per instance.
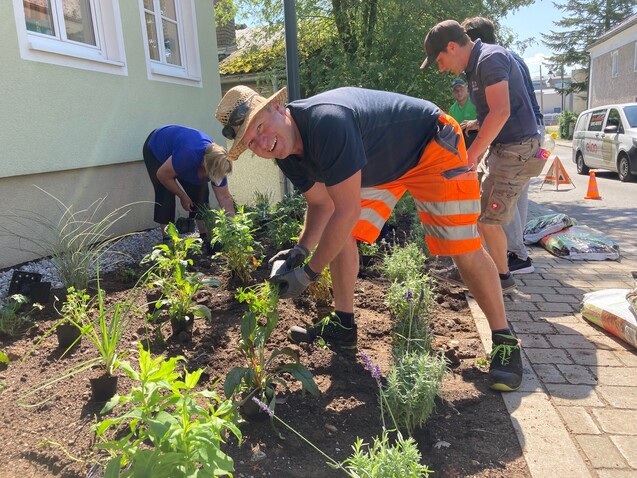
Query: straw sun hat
{"type": "Point", "coordinates": [237, 109]}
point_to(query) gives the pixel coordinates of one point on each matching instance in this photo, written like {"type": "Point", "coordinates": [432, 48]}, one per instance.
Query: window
{"type": "Point", "coordinates": [614, 67]}
{"type": "Point", "coordinates": [597, 120]}
{"type": "Point", "coordinates": [172, 50]}
{"type": "Point", "coordinates": [615, 120]}
{"type": "Point", "coordinates": [78, 33]}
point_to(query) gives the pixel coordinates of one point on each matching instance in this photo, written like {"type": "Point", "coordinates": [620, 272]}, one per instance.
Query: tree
{"type": "Point", "coordinates": [374, 44]}
{"type": "Point", "coordinates": [587, 20]}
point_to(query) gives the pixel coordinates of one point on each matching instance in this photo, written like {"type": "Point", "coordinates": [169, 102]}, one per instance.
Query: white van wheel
{"type": "Point", "coordinates": [581, 166]}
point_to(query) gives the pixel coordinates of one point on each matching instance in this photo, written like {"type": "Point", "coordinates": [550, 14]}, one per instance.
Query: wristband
{"type": "Point", "coordinates": [310, 273]}
{"type": "Point", "coordinates": [304, 249]}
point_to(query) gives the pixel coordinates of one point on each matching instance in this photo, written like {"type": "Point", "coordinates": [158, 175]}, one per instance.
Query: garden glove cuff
{"type": "Point", "coordinates": [293, 257]}
{"type": "Point", "coordinates": [291, 283]}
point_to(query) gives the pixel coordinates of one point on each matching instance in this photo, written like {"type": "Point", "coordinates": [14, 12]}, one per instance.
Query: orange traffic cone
{"type": "Point", "coordinates": [592, 192]}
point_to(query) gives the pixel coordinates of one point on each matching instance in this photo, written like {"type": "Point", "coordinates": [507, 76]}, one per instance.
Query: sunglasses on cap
{"type": "Point", "coordinates": [237, 118]}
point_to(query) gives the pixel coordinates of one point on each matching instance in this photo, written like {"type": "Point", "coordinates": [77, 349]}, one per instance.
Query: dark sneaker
{"type": "Point", "coordinates": [450, 275]}
{"type": "Point", "coordinates": [519, 266]}
{"type": "Point", "coordinates": [329, 329]}
{"type": "Point", "coordinates": [505, 368]}
{"type": "Point", "coordinates": [507, 284]}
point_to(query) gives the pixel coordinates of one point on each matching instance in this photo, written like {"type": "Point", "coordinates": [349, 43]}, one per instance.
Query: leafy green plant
{"type": "Point", "coordinates": [412, 385]}
{"type": "Point", "coordinates": [403, 263]}
{"type": "Point", "coordinates": [263, 205]}
{"type": "Point", "coordinates": [373, 249]}
{"type": "Point", "coordinates": [384, 459]}
{"type": "Point", "coordinates": [321, 289]}
{"type": "Point", "coordinates": [106, 328]}
{"type": "Point", "coordinates": [178, 294]}
{"type": "Point", "coordinates": [4, 360]}
{"type": "Point", "coordinates": [283, 231]}
{"type": "Point", "coordinates": [161, 429]}
{"type": "Point", "coordinates": [409, 302]}
{"type": "Point", "coordinates": [167, 258]}
{"type": "Point", "coordinates": [565, 121]}
{"type": "Point", "coordinates": [239, 247]}
{"type": "Point", "coordinates": [13, 315]}
{"type": "Point", "coordinates": [76, 241]}
{"type": "Point", "coordinates": [263, 368]}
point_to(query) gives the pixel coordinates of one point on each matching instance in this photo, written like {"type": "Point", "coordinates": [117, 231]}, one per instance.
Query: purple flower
{"type": "Point", "coordinates": [410, 294]}
{"type": "Point", "coordinates": [263, 406]}
{"type": "Point", "coordinates": [374, 369]}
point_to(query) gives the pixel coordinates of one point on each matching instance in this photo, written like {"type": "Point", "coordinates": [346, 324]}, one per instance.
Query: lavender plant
{"type": "Point", "coordinates": [409, 302]}
{"type": "Point", "coordinates": [403, 263]}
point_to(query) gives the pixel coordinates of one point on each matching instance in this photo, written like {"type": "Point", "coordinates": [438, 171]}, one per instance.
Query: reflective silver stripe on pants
{"type": "Point", "coordinates": [449, 208]}
{"type": "Point", "coordinates": [451, 233]}
{"type": "Point", "coordinates": [380, 195]}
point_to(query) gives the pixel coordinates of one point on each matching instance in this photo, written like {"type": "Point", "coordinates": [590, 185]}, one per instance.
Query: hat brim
{"type": "Point", "coordinates": [238, 147]}
{"type": "Point", "coordinates": [426, 64]}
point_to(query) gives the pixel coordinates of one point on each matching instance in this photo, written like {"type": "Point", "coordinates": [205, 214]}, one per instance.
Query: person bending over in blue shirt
{"type": "Point", "coordinates": [180, 162]}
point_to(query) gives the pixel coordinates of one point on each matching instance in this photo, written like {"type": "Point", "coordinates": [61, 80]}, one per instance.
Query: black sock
{"type": "Point", "coordinates": [346, 318]}
{"type": "Point", "coordinates": [504, 276]}
{"type": "Point", "coordinates": [500, 332]}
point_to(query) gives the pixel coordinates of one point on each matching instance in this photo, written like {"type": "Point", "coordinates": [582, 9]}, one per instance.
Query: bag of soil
{"type": "Point", "coordinates": [581, 243]}
{"type": "Point", "coordinates": [610, 310]}
{"type": "Point", "coordinates": [542, 226]}
{"type": "Point", "coordinates": [631, 296]}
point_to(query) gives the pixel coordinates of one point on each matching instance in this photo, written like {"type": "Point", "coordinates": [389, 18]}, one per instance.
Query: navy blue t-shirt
{"type": "Point", "coordinates": [349, 129]}
{"type": "Point", "coordinates": [491, 64]}
{"type": "Point", "coordinates": [186, 146]}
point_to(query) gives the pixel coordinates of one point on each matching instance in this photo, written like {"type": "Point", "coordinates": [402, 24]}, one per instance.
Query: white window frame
{"type": "Point", "coordinates": [614, 63]}
{"type": "Point", "coordinates": [189, 73]}
{"type": "Point", "coordinates": [108, 56]}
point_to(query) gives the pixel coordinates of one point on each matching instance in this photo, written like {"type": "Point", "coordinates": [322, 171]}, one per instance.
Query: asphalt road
{"type": "Point", "coordinates": [615, 214]}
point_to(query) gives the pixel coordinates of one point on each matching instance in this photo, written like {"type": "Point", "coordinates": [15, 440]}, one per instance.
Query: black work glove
{"type": "Point", "coordinates": [292, 283]}
{"type": "Point", "coordinates": [293, 257]}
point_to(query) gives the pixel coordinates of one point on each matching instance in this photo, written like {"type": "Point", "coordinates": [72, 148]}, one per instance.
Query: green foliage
{"type": "Point", "coordinates": [566, 119]}
{"type": "Point", "coordinates": [168, 432]}
{"type": "Point", "coordinates": [283, 231]}
{"type": "Point", "coordinates": [167, 259]}
{"type": "Point", "coordinates": [75, 241]}
{"type": "Point", "coordinates": [386, 459]}
{"type": "Point", "coordinates": [403, 263]}
{"type": "Point", "coordinates": [321, 289]}
{"type": "Point", "coordinates": [239, 247]}
{"type": "Point", "coordinates": [584, 21]}
{"type": "Point", "coordinates": [4, 363]}
{"type": "Point", "coordinates": [14, 316]}
{"type": "Point", "coordinates": [412, 385]}
{"type": "Point", "coordinates": [178, 295]}
{"type": "Point", "coordinates": [262, 368]}
{"type": "Point", "coordinates": [106, 329]}
{"type": "Point", "coordinates": [409, 302]}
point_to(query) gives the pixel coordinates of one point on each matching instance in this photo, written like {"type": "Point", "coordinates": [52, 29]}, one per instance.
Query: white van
{"type": "Point", "coordinates": [606, 138]}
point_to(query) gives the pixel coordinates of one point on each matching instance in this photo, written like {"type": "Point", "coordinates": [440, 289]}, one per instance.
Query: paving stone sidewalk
{"type": "Point", "coordinates": [576, 412]}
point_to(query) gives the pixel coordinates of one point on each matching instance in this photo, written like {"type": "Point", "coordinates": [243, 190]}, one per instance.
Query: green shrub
{"type": "Point", "coordinates": [403, 263]}
{"type": "Point", "coordinates": [566, 118]}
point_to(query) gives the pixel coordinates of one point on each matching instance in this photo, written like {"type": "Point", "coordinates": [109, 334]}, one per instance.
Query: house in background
{"type": "Point", "coordinates": [613, 65]}
{"type": "Point", "coordinates": [83, 84]}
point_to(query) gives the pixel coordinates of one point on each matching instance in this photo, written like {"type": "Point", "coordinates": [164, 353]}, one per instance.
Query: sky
{"type": "Point", "coordinates": [530, 22]}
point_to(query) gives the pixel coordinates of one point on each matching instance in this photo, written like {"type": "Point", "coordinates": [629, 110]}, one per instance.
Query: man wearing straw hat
{"type": "Point", "coordinates": [352, 153]}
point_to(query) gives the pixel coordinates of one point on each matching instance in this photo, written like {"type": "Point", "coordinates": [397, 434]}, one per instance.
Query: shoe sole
{"type": "Point", "coordinates": [509, 289]}
{"type": "Point", "coordinates": [502, 387]}
{"type": "Point", "coordinates": [523, 270]}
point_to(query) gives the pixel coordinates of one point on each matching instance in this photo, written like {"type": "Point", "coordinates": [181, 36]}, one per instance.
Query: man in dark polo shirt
{"type": "Point", "coordinates": [508, 128]}
{"type": "Point", "coordinates": [353, 152]}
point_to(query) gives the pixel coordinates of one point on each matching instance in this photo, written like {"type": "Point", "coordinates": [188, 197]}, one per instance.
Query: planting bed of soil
{"type": "Point", "coordinates": [469, 434]}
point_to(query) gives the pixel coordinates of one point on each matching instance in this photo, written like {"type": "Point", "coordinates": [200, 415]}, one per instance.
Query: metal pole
{"type": "Point", "coordinates": [541, 92]}
{"type": "Point", "coordinates": [291, 50]}
{"type": "Point", "coordinates": [291, 61]}
{"type": "Point", "coordinates": [562, 86]}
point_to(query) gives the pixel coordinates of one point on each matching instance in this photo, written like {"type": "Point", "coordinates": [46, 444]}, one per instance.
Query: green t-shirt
{"type": "Point", "coordinates": [467, 112]}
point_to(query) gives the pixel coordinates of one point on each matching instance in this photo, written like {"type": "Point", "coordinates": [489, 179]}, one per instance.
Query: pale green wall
{"type": "Point", "coordinates": [58, 123]}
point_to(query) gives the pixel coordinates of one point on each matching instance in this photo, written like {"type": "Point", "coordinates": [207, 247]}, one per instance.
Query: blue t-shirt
{"type": "Point", "coordinates": [491, 64]}
{"type": "Point", "coordinates": [186, 146]}
{"type": "Point", "coordinates": [528, 83]}
{"type": "Point", "coordinates": [349, 129]}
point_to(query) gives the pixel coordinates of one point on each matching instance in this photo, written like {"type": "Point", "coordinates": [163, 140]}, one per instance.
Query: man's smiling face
{"type": "Point", "coordinates": [270, 134]}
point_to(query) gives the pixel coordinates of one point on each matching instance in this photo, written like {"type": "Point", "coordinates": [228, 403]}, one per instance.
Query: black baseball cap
{"type": "Point", "coordinates": [438, 38]}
